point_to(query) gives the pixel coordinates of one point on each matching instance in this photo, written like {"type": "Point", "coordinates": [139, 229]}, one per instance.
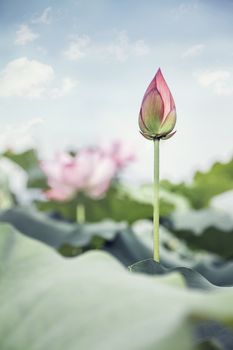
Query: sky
{"type": "Point", "coordinates": [73, 73]}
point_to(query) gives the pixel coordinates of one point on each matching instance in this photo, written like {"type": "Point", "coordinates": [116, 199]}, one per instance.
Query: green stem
{"type": "Point", "coordinates": [156, 201]}
{"type": "Point", "coordinates": [80, 214]}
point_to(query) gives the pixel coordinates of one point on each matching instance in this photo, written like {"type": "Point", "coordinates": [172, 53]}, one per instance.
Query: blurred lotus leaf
{"type": "Point", "coordinates": [29, 161]}
{"type": "Point", "coordinates": [205, 185]}
{"type": "Point", "coordinates": [55, 307]}
{"type": "Point", "coordinates": [208, 229]}
{"type": "Point", "coordinates": [6, 199]}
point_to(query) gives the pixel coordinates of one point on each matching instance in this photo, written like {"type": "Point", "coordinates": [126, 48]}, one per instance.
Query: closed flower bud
{"type": "Point", "coordinates": [157, 116]}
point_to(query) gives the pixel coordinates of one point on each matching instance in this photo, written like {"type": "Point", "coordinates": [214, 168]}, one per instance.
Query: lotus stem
{"type": "Point", "coordinates": [80, 214]}
{"type": "Point", "coordinates": [156, 201]}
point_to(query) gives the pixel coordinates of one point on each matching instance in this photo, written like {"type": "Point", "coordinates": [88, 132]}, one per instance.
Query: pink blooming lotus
{"type": "Point", "coordinates": [120, 152]}
{"type": "Point", "coordinates": [91, 171]}
{"type": "Point", "coordinates": [157, 116]}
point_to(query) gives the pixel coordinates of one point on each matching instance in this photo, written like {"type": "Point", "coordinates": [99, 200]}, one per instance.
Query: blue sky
{"type": "Point", "coordinates": [81, 68]}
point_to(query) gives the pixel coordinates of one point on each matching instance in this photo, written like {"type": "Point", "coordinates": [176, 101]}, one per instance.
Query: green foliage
{"type": "Point", "coordinates": [128, 244]}
{"type": "Point", "coordinates": [218, 179]}
{"type": "Point", "coordinates": [29, 161]}
{"type": "Point", "coordinates": [206, 229]}
{"type": "Point", "coordinates": [175, 253]}
{"type": "Point", "coordinates": [192, 278]}
{"type": "Point", "coordinates": [209, 345]}
{"type": "Point", "coordinates": [6, 198]}
{"type": "Point", "coordinates": [92, 302]}
{"type": "Point", "coordinates": [205, 185]}
{"type": "Point", "coordinates": [56, 233]}
{"type": "Point", "coordinates": [120, 203]}
{"type": "Point", "coordinates": [26, 160]}
{"type": "Point", "coordinates": [72, 239]}
{"type": "Point", "coordinates": [77, 298]}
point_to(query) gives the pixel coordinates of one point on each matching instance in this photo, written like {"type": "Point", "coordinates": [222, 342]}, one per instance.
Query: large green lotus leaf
{"type": "Point", "coordinates": [192, 278]}
{"type": "Point", "coordinates": [55, 232]}
{"type": "Point", "coordinates": [72, 239]}
{"type": "Point", "coordinates": [212, 335]}
{"type": "Point", "coordinates": [129, 245]}
{"type": "Point", "coordinates": [205, 185]}
{"type": "Point", "coordinates": [175, 253]}
{"type": "Point", "coordinates": [92, 302]}
{"type": "Point", "coordinates": [206, 330]}
{"type": "Point", "coordinates": [29, 161]}
{"type": "Point", "coordinates": [207, 229]}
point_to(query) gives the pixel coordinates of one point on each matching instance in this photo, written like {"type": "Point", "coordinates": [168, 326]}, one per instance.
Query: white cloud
{"type": "Point", "coordinates": [211, 77]}
{"type": "Point", "coordinates": [25, 35]}
{"type": "Point", "coordinates": [193, 51]}
{"type": "Point", "coordinates": [77, 48]}
{"type": "Point", "coordinates": [218, 80]}
{"type": "Point", "coordinates": [185, 8]}
{"type": "Point", "coordinates": [31, 79]}
{"type": "Point", "coordinates": [67, 85]}
{"type": "Point", "coordinates": [42, 50]}
{"type": "Point", "coordinates": [123, 48]}
{"type": "Point", "coordinates": [45, 17]}
{"type": "Point", "coordinates": [18, 137]}
{"type": "Point", "coordinates": [120, 48]}
{"type": "Point", "coordinates": [24, 78]}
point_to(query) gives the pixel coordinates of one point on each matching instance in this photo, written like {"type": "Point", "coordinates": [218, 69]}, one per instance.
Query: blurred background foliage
{"type": "Point", "coordinates": [186, 210]}
{"type": "Point", "coordinates": [196, 231]}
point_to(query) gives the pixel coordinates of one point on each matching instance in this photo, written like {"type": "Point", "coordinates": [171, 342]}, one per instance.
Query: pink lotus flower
{"type": "Point", "coordinates": [157, 116]}
{"type": "Point", "coordinates": [55, 170]}
{"type": "Point", "coordinates": [120, 152]}
{"type": "Point", "coordinates": [91, 171]}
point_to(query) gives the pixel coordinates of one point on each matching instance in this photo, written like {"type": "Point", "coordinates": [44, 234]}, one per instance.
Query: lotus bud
{"type": "Point", "coordinates": [157, 116]}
